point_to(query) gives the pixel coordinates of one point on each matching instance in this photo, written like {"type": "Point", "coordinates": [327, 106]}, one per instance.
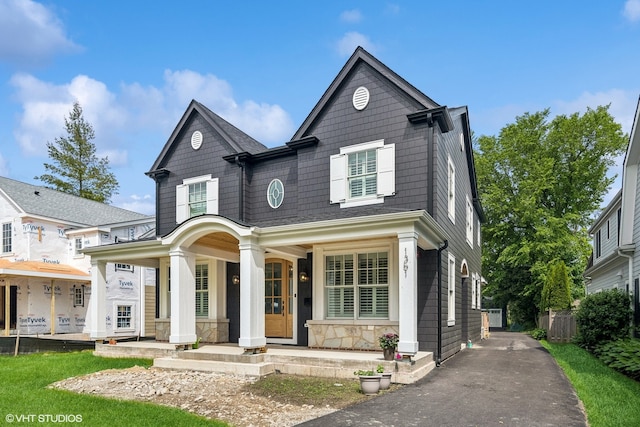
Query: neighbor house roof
{"type": "Point", "coordinates": [45, 202]}
{"type": "Point", "coordinates": [42, 269]}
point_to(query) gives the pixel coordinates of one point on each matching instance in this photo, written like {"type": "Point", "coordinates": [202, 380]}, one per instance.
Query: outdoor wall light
{"type": "Point", "coordinates": [235, 279]}
{"type": "Point", "coordinates": [303, 277]}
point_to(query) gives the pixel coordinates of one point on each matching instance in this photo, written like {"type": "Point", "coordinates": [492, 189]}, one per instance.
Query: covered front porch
{"type": "Point", "coordinates": [240, 264]}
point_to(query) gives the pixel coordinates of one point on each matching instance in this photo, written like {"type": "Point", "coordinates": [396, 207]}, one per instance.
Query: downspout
{"type": "Point", "coordinates": [630, 258]}
{"type": "Point", "coordinates": [631, 285]}
{"type": "Point", "coordinates": [439, 349]}
{"type": "Point", "coordinates": [240, 189]}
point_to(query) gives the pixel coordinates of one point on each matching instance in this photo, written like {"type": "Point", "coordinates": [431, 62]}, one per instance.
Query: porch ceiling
{"type": "Point", "coordinates": [219, 240]}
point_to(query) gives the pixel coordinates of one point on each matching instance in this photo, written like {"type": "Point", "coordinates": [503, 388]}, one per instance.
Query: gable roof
{"type": "Point", "coordinates": [46, 202]}
{"type": "Point", "coordinates": [237, 140]}
{"type": "Point", "coordinates": [359, 56]}
{"type": "Point", "coordinates": [629, 182]}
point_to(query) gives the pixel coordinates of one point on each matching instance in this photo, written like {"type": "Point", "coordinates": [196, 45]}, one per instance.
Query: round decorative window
{"type": "Point", "coordinates": [275, 193]}
{"type": "Point", "coordinates": [196, 140]}
{"type": "Point", "coordinates": [360, 98]}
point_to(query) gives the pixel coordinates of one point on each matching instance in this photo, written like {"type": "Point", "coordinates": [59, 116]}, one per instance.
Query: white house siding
{"type": "Point", "coordinates": [53, 242]}
{"type": "Point", "coordinates": [613, 276]}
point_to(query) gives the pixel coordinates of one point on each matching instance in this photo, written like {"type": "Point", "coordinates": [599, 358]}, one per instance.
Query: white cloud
{"type": "Point", "coordinates": [30, 33]}
{"type": "Point", "coordinates": [351, 16]}
{"type": "Point", "coordinates": [393, 9]}
{"type": "Point", "coordinates": [632, 10]}
{"type": "Point", "coordinates": [622, 108]}
{"type": "Point", "coordinates": [141, 204]}
{"type": "Point", "coordinates": [351, 40]}
{"type": "Point", "coordinates": [46, 106]}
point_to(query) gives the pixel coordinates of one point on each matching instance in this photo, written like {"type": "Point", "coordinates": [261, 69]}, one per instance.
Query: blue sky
{"type": "Point", "coordinates": [135, 65]}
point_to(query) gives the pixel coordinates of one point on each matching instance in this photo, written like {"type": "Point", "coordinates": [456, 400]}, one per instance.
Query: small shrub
{"type": "Point", "coordinates": [621, 355]}
{"type": "Point", "coordinates": [603, 317]}
{"type": "Point", "coordinates": [538, 334]}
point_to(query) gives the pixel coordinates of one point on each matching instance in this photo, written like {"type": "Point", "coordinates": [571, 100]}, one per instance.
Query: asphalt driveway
{"type": "Point", "coordinates": [506, 380]}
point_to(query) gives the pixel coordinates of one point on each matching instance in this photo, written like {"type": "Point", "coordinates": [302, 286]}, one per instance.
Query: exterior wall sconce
{"type": "Point", "coordinates": [303, 277]}
{"type": "Point", "coordinates": [235, 279]}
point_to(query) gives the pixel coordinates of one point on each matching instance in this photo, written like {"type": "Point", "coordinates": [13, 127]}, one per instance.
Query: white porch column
{"type": "Point", "coordinates": [97, 305]}
{"type": "Point", "coordinates": [183, 297]}
{"type": "Point", "coordinates": [408, 293]}
{"type": "Point", "coordinates": [251, 295]}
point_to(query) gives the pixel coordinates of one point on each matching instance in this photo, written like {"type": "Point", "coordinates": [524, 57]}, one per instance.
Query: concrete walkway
{"type": "Point", "coordinates": [506, 380]}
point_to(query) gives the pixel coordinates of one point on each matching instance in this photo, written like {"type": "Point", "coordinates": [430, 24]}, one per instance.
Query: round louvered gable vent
{"type": "Point", "coordinates": [360, 98]}
{"type": "Point", "coordinates": [196, 140]}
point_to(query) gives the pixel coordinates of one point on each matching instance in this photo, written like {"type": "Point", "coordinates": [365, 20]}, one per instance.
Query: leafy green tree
{"type": "Point", "coordinates": [75, 168]}
{"type": "Point", "coordinates": [540, 181]}
{"type": "Point", "coordinates": [556, 294]}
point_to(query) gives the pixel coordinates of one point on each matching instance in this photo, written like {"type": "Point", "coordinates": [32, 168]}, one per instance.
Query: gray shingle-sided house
{"type": "Point", "coordinates": [45, 280]}
{"type": "Point", "coordinates": [366, 221]}
{"type": "Point", "coordinates": [616, 231]}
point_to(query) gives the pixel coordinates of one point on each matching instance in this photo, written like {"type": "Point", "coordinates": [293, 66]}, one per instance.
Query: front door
{"type": "Point", "coordinates": [278, 298]}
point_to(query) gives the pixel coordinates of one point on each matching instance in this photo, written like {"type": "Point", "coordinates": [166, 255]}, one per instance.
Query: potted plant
{"type": "Point", "coordinates": [388, 342]}
{"type": "Point", "coordinates": [385, 378]}
{"type": "Point", "coordinates": [369, 381]}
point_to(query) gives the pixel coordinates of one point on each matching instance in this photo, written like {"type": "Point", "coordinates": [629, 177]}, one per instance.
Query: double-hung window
{"type": "Point", "coordinates": [362, 174]}
{"type": "Point", "coordinates": [78, 296]}
{"type": "Point", "coordinates": [196, 196]}
{"type": "Point", "coordinates": [451, 190]}
{"type": "Point", "coordinates": [357, 285]}
{"type": "Point", "coordinates": [6, 238]}
{"type": "Point", "coordinates": [202, 290]}
{"type": "Point", "coordinates": [451, 292]}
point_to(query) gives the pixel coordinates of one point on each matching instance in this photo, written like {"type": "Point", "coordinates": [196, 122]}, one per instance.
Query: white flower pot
{"type": "Point", "coordinates": [385, 381]}
{"type": "Point", "coordinates": [370, 384]}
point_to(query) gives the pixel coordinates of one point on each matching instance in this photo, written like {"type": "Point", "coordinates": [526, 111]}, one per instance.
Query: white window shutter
{"type": "Point", "coordinates": [182, 207]}
{"type": "Point", "coordinates": [338, 171]}
{"type": "Point", "coordinates": [212, 196]}
{"type": "Point", "coordinates": [387, 170]}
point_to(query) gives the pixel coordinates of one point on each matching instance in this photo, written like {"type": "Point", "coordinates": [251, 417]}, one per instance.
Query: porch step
{"type": "Point", "coordinates": [235, 368]}
{"type": "Point", "coordinates": [306, 363]}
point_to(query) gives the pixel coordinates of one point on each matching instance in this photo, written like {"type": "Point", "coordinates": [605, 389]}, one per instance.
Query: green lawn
{"type": "Point", "coordinates": [609, 398]}
{"type": "Point", "coordinates": [23, 393]}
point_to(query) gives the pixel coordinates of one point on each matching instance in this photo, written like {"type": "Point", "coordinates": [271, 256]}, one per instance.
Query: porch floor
{"type": "Point", "coordinates": [231, 359]}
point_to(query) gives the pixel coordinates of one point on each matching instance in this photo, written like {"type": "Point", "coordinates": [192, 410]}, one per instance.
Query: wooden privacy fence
{"type": "Point", "coordinates": [563, 326]}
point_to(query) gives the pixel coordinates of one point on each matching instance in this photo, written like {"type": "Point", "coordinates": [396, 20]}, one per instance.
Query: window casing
{"type": "Point", "coordinates": [7, 246]}
{"type": "Point", "coordinates": [362, 174]}
{"type": "Point", "coordinates": [469, 222]}
{"type": "Point", "coordinates": [451, 292]}
{"type": "Point", "coordinates": [124, 317]}
{"type": "Point", "coordinates": [202, 290]}
{"type": "Point", "coordinates": [357, 285]}
{"type": "Point", "coordinates": [78, 296]}
{"type": "Point", "coordinates": [196, 196]}
{"type": "Point", "coordinates": [451, 190]}
{"type": "Point", "coordinates": [597, 242]}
